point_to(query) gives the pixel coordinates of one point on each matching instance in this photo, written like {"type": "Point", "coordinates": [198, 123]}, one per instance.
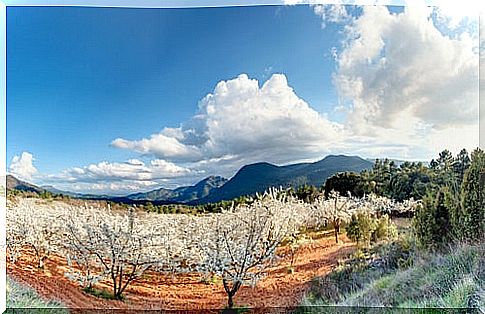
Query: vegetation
{"type": "Point", "coordinates": [452, 279]}
{"type": "Point", "coordinates": [364, 228]}
{"type": "Point", "coordinates": [21, 297]}
{"type": "Point", "coordinates": [347, 182]}
{"type": "Point", "coordinates": [438, 262]}
{"type": "Point", "coordinates": [454, 211]}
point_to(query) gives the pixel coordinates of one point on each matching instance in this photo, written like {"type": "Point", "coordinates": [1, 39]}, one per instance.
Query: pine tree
{"type": "Point", "coordinates": [473, 197]}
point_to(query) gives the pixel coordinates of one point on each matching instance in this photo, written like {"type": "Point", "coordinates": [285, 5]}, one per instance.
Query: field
{"type": "Point", "coordinates": [275, 251]}
{"type": "Point", "coordinates": [155, 291]}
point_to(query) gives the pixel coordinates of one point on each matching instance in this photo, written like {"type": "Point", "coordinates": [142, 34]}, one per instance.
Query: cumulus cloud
{"type": "Point", "coordinates": [332, 13]}
{"type": "Point", "coordinates": [119, 188]}
{"type": "Point", "coordinates": [119, 177]}
{"type": "Point", "coordinates": [23, 167]}
{"type": "Point", "coordinates": [242, 119]}
{"type": "Point", "coordinates": [397, 73]}
{"type": "Point", "coordinates": [133, 169]}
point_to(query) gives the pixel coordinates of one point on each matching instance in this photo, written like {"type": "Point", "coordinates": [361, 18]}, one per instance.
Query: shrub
{"type": "Point", "coordinates": [364, 228]}
{"type": "Point", "coordinates": [361, 227]}
{"type": "Point", "coordinates": [385, 229]}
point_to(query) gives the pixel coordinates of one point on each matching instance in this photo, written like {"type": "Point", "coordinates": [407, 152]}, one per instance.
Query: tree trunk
{"type": "Point", "coordinates": [336, 231]}
{"type": "Point", "coordinates": [41, 263]}
{"type": "Point", "coordinates": [230, 302]}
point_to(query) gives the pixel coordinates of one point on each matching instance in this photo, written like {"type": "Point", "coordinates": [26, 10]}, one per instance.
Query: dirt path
{"type": "Point", "coordinates": [185, 292]}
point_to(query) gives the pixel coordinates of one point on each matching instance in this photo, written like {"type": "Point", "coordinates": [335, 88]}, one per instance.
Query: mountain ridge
{"type": "Point", "coordinates": [260, 176]}
{"type": "Point", "coordinates": [248, 180]}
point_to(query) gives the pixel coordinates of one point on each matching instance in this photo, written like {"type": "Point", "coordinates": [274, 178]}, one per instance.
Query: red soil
{"type": "Point", "coordinates": [186, 292]}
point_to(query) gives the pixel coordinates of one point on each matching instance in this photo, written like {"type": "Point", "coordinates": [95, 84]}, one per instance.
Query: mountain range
{"type": "Point", "coordinates": [249, 180]}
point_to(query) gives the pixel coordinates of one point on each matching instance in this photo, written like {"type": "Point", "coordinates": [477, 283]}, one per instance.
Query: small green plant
{"type": "Point", "coordinates": [364, 229]}
{"type": "Point", "coordinates": [22, 298]}
{"type": "Point", "coordinates": [101, 293]}
{"type": "Point", "coordinates": [385, 229]}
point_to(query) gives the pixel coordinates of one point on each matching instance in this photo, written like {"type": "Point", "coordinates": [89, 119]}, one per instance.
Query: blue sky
{"type": "Point", "coordinates": [114, 92]}
{"type": "Point", "coordinates": [93, 74]}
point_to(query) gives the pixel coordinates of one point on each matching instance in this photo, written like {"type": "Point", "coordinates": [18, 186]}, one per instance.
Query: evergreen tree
{"type": "Point", "coordinates": [473, 197]}
{"type": "Point", "coordinates": [431, 222]}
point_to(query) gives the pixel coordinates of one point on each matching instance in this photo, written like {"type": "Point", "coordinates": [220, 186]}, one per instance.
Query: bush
{"type": "Point", "coordinates": [363, 228]}
{"type": "Point", "coordinates": [385, 229]}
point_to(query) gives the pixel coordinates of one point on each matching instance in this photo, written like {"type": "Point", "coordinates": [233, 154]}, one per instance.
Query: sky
{"type": "Point", "coordinates": [119, 100]}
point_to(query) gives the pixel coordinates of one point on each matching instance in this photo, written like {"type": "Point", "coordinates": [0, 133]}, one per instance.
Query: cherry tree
{"type": "Point", "coordinates": [240, 244]}
{"type": "Point", "coordinates": [335, 209]}
{"type": "Point", "coordinates": [118, 245]}
{"type": "Point", "coordinates": [37, 227]}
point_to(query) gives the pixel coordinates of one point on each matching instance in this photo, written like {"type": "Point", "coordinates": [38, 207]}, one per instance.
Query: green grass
{"type": "Point", "coordinates": [453, 279]}
{"type": "Point", "coordinates": [101, 293]}
{"type": "Point", "coordinates": [22, 299]}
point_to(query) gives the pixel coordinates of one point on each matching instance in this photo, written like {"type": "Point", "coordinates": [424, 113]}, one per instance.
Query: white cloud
{"type": "Point", "coordinates": [158, 144]}
{"type": "Point", "coordinates": [404, 81]}
{"type": "Point", "coordinates": [133, 169]}
{"type": "Point", "coordinates": [332, 13]}
{"type": "Point", "coordinates": [119, 188]}
{"type": "Point", "coordinates": [119, 178]}
{"type": "Point", "coordinates": [22, 167]}
{"type": "Point", "coordinates": [245, 121]}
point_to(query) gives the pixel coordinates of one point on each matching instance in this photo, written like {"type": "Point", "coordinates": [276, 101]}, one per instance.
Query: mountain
{"type": "Point", "coordinates": [182, 194]}
{"type": "Point", "coordinates": [248, 180]}
{"type": "Point", "coordinates": [16, 184]}
{"type": "Point", "coordinates": [54, 190]}
{"type": "Point", "coordinates": [259, 177]}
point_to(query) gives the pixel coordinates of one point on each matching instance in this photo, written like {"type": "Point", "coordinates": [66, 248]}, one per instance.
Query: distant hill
{"type": "Point", "coordinates": [16, 184]}
{"type": "Point", "coordinates": [259, 177]}
{"type": "Point", "coordinates": [182, 194]}
{"type": "Point", "coordinates": [249, 180]}
{"type": "Point", "coordinates": [54, 190]}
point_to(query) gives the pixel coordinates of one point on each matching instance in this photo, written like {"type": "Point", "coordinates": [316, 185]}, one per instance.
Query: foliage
{"type": "Point", "coordinates": [345, 183]}
{"type": "Point", "coordinates": [364, 228]}
{"type": "Point", "coordinates": [361, 227]}
{"type": "Point", "coordinates": [307, 193]}
{"type": "Point", "coordinates": [23, 297]}
{"type": "Point", "coordinates": [451, 279]}
{"type": "Point", "coordinates": [385, 229]}
{"type": "Point", "coordinates": [432, 220]}
{"type": "Point", "coordinates": [456, 209]}
{"type": "Point", "coordinates": [473, 197]}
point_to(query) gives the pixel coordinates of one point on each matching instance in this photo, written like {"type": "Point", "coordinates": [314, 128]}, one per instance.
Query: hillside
{"type": "Point", "coordinates": [16, 184]}
{"type": "Point", "coordinates": [182, 194]}
{"type": "Point", "coordinates": [249, 180]}
{"type": "Point", "coordinates": [261, 176]}
{"type": "Point", "coordinates": [451, 279]}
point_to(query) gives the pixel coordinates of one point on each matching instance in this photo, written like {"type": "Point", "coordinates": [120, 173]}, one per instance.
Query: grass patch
{"type": "Point", "coordinates": [100, 293]}
{"type": "Point", "coordinates": [23, 299]}
{"type": "Point", "coordinates": [452, 279]}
